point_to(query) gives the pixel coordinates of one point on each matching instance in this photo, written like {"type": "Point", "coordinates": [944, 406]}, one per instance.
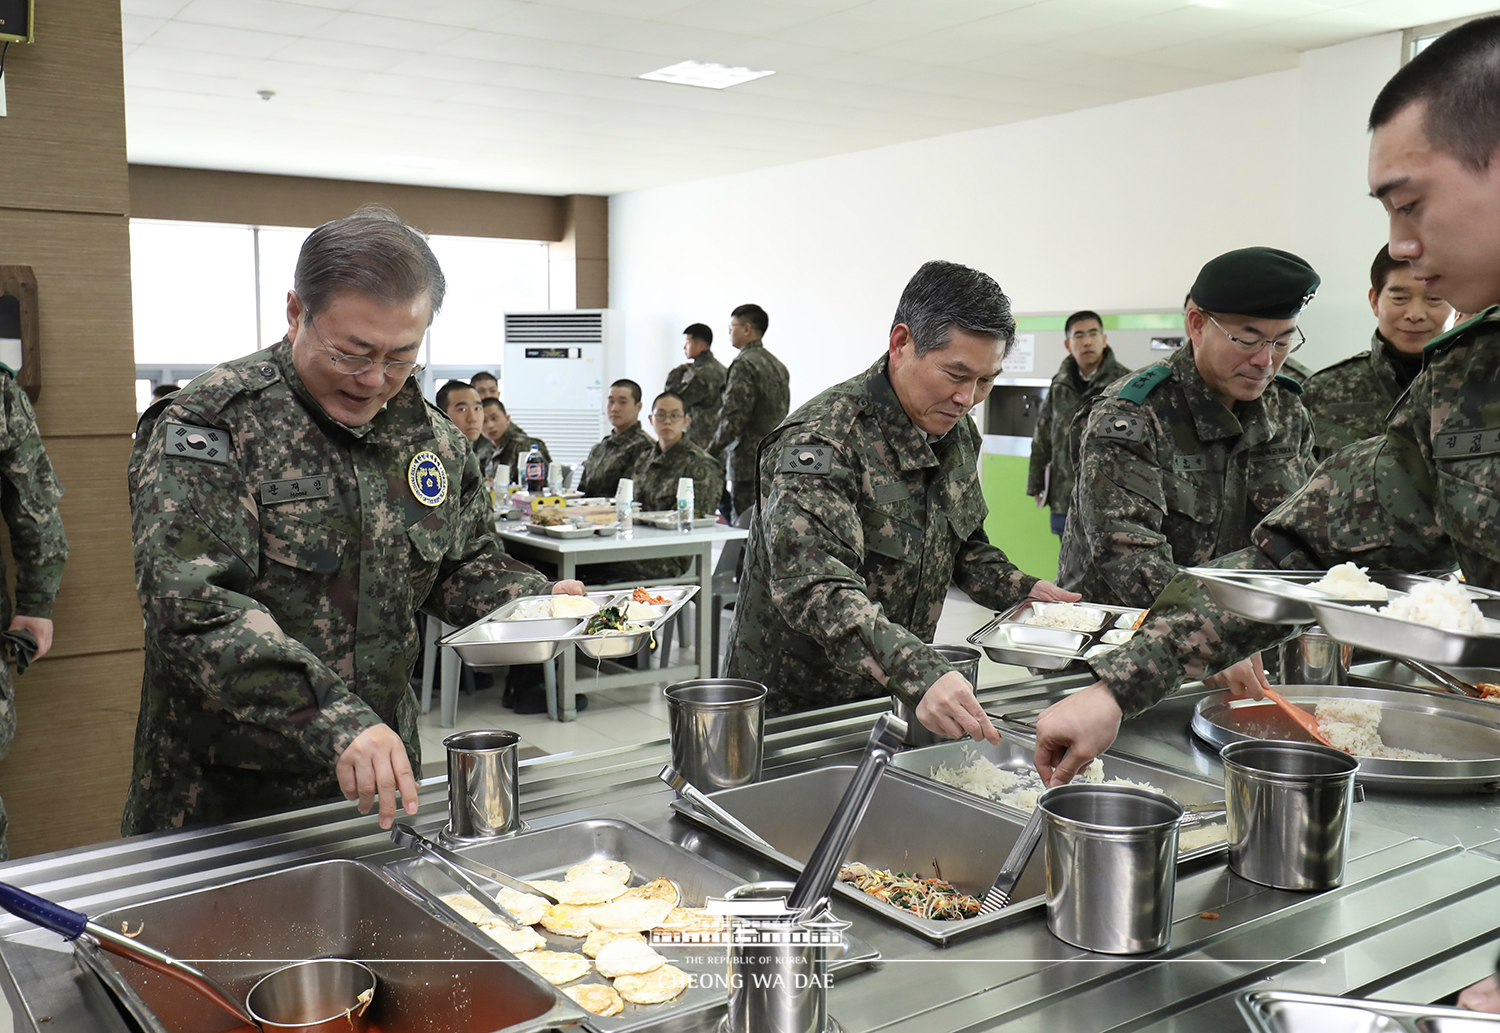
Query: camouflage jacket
{"type": "Point", "coordinates": [618, 455]}
{"type": "Point", "coordinates": [280, 559]}
{"type": "Point", "coordinates": [862, 525]}
{"type": "Point", "coordinates": [511, 451]}
{"type": "Point", "coordinates": [656, 479]}
{"type": "Point", "coordinates": [1423, 498]}
{"type": "Point", "coordinates": [1351, 400]}
{"type": "Point", "coordinates": [29, 499]}
{"type": "Point", "coordinates": [757, 396]}
{"type": "Point", "coordinates": [1169, 477]}
{"type": "Point", "coordinates": [1052, 443]}
{"type": "Point", "coordinates": [700, 385]}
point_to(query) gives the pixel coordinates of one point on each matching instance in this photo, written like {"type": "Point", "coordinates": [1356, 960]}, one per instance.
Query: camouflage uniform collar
{"type": "Point", "coordinates": [281, 355]}
{"type": "Point", "coordinates": [912, 448]}
{"type": "Point", "coordinates": [618, 435]}
{"type": "Point", "coordinates": [1444, 340]}
{"type": "Point", "coordinates": [1386, 363]}
{"type": "Point", "coordinates": [1211, 418]}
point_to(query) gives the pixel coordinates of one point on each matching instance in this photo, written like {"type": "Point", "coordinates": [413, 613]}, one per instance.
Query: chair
{"type": "Point", "coordinates": [726, 582]}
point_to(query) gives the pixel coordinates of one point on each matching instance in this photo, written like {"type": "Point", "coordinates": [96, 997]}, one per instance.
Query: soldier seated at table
{"type": "Point", "coordinates": [1352, 399]}
{"type": "Point", "coordinates": [623, 449]}
{"type": "Point", "coordinates": [1177, 464]}
{"type": "Point", "coordinates": [870, 508]}
{"type": "Point", "coordinates": [511, 442]}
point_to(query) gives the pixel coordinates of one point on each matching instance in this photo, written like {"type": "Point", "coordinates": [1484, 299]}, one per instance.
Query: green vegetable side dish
{"type": "Point", "coordinates": [611, 619]}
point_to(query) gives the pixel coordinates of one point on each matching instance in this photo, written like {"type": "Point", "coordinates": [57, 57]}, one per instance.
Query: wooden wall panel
{"type": "Point", "coordinates": [82, 267]}
{"type": "Point", "coordinates": [64, 784]}
{"type": "Point", "coordinates": [63, 142]}
{"type": "Point", "coordinates": [255, 199]}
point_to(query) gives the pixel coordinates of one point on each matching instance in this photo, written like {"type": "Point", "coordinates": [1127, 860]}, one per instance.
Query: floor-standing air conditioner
{"type": "Point", "coordinates": [556, 372]}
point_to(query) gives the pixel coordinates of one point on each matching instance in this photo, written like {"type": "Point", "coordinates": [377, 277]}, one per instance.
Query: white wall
{"type": "Point", "coordinates": [1112, 208]}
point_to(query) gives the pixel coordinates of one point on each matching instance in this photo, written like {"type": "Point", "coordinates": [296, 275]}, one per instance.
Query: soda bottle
{"type": "Point", "coordinates": [684, 504]}
{"type": "Point", "coordinates": [536, 471]}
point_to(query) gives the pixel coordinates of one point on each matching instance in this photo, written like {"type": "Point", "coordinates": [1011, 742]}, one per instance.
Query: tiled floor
{"type": "Point", "coordinates": [618, 717]}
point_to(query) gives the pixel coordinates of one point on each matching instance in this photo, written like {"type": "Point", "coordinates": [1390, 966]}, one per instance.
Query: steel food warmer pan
{"type": "Point", "coordinates": [547, 853]}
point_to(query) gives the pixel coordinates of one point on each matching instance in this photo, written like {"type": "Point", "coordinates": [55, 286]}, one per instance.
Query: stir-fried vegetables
{"type": "Point", "coordinates": [925, 898]}
{"type": "Point", "coordinates": [609, 618]}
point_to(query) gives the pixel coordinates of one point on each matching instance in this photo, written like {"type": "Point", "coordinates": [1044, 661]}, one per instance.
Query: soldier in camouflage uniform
{"type": "Point", "coordinates": [757, 396]}
{"type": "Point", "coordinates": [1088, 369]}
{"type": "Point", "coordinates": [1351, 400]}
{"type": "Point", "coordinates": [512, 444]}
{"type": "Point", "coordinates": [700, 384]}
{"type": "Point", "coordinates": [870, 508]}
{"type": "Point", "coordinates": [293, 510]}
{"type": "Point", "coordinates": [624, 449]}
{"type": "Point", "coordinates": [1423, 497]}
{"type": "Point", "coordinates": [1178, 463]}
{"type": "Point", "coordinates": [29, 496]}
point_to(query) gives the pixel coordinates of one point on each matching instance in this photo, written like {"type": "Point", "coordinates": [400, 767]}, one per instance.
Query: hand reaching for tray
{"type": "Point", "coordinates": [568, 588]}
{"type": "Point", "coordinates": [949, 708]}
{"type": "Point", "coordinates": [374, 766]}
{"type": "Point", "coordinates": [1047, 592]}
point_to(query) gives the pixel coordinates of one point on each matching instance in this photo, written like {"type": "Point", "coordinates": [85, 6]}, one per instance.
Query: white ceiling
{"type": "Point", "coordinates": [543, 96]}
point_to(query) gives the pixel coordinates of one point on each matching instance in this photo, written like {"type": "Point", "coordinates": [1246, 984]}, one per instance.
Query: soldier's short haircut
{"type": "Point", "coordinates": [1383, 266]}
{"type": "Point", "coordinates": [492, 403]}
{"type": "Point", "coordinates": [1458, 77]}
{"type": "Point", "coordinates": [1079, 317]}
{"type": "Point", "coordinates": [755, 316]}
{"type": "Point", "coordinates": [667, 394]}
{"type": "Point", "coordinates": [701, 332]}
{"type": "Point", "coordinates": [943, 295]}
{"type": "Point", "coordinates": [632, 386]}
{"type": "Point", "coordinates": [483, 374]}
{"type": "Point", "coordinates": [447, 390]}
{"type": "Point", "coordinates": [373, 253]}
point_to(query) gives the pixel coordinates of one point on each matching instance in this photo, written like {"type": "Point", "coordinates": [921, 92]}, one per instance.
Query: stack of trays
{"type": "Point", "coordinates": [524, 631]}
{"type": "Point", "coordinates": [1015, 637]}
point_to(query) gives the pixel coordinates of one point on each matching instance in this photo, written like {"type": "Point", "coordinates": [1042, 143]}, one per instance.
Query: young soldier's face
{"type": "Point", "coordinates": [1445, 217]}
{"type": "Point", "coordinates": [466, 411]}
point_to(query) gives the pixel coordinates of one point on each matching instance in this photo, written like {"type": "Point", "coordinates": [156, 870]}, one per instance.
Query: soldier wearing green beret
{"type": "Point", "coordinates": [1179, 462]}
{"type": "Point", "coordinates": [1352, 399]}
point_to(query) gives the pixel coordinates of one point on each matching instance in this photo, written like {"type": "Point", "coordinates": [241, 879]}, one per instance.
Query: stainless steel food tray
{"type": "Point", "coordinates": [1017, 757]}
{"type": "Point", "coordinates": [428, 964]}
{"type": "Point", "coordinates": [549, 852]}
{"type": "Point", "coordinates": [1008, 639]}
{"type": "Point", "coordinates": [1283, 596]}
{"type": "Point", "coordinates": [910, 824]}
{"type": "Point", "coordinates": [1364, 627]}
{"type": "Point", "coordinates": [498, 640]}
{"type": "Point", "coordinates": [1274, 1011]}
{"type": "Point", "coordinates": [1466, 729]}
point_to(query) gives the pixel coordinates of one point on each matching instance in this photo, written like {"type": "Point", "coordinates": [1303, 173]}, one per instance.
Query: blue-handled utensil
{"type": "Point", "coordinates": [71, 925]}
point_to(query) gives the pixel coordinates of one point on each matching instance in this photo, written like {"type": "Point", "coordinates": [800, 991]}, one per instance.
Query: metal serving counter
{"type": "Point", "coordinates": [1415, 920]}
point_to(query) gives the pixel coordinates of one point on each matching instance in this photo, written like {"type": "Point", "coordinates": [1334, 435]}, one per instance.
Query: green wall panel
{"type": "Point", "coordinates": [1015, 523]}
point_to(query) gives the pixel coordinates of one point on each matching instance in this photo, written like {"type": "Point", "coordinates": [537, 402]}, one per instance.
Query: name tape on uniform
{"type": "Point", "coordinates": [1190, 464]}
{"type": "Point", "coordinates": [806, 459]}
{"type": "Point", "coordinates": [1269, 452]}
{"type": "Point", "coordinates": [1465, 443]}
{"type": "Point", "coordinates": [206, 443]}
{"type": "Point", "coordinates": [294, 489]}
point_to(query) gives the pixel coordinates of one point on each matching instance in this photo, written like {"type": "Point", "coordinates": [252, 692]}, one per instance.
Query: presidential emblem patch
{"type": "Point", "coordinates": [428, 479]}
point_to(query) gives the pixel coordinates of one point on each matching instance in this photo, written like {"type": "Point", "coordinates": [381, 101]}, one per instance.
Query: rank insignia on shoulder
{"type": "Point", "coordinates": [1143, 383]}
{"type": "Point", "coordinates": [806, 459]}
{"type": "Point", "coordinates": [209, 444]}
{"type": "Point", "coordinates": [1123, 428]}
{"type": "Point", "coordinates": [428, 478]}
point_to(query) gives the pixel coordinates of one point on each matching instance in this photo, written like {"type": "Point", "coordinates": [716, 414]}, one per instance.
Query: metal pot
{"type": "Point", "coordinates": [718, 727]}
{"type": "Point", "coordinates": [1288, 805]}
{"type": "Point", "coordinates": [966, 662]}
{"type": "Point", "coordinates": [329, 995]}
{"type": "Point", "coordinates": [1314, 658]}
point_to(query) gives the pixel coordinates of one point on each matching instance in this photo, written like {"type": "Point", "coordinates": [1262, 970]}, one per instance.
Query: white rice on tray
{"type": "Point", "coordinates": [1347, 581]}
{"type": "Point", "coordinates": [1353, 725]}
{"type": "Point", "coordinates": [1065, 616]}
{"type": "Point", "coordinates": [1442, 604]}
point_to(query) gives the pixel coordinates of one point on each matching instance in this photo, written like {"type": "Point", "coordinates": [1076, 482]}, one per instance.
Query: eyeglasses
{"type": "Point", "coordinates": [1280, 347]}
{"type": "Point", "coordinates": [668, 417]}
{"type": "Point", "coordinates": [357, 364]}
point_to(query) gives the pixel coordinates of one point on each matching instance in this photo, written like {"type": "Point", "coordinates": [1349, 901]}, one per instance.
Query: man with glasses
{"type": "Point", "coordinates": [1089, 367]}
{"type": "Point", "coordinates": [293, 510]}
{"type": "Point", "coordinates": [1178, 463]}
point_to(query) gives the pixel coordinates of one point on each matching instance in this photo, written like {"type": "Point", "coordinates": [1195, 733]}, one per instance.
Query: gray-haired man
{"type": "Point", "coordinates": [870, 507]}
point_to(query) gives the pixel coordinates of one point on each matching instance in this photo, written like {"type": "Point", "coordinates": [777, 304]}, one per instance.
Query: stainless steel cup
{"type": "Point", "coordinates": [1288, 805]}
{"type": "Point", "coordinates": [322, 996]}
{"type": "Point", "coordinates": [776, 984]}
{"type": "Point", "coordinates": [1314, 658]}
{"type": "Point", "coordinates": [484, 789]}
{"type": "Point", "coordinates": [1111, 863]}
{"type": "Point", "coordinates": [966, 662]}
{"type": "Point", "coordinates": [718, 726]}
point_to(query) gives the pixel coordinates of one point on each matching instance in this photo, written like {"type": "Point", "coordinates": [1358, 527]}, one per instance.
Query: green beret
{"type": "Point", "coordinates": [1256, 281]}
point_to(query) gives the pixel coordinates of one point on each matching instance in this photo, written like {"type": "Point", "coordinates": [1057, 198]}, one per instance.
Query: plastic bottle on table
{"type": "Point", "coordinates": [684, 504]}
{"type": "Point", "coordinates": [624, 499]}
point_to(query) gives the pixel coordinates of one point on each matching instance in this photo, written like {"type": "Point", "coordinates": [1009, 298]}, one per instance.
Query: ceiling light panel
{"type": "Point", "coordinates": [705, 74]}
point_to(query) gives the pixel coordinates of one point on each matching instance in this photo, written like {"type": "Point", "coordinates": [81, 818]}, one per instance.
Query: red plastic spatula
{"type": "Point", "coordinates": [1297, 714]}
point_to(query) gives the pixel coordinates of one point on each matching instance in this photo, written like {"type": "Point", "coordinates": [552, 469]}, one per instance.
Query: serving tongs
{"type": "Point", "coordinates": [685, 790]}
{"type": "Point", "coordinates": [76, 926]}
{"type": "Point", "coordinates": [1445, 681]}
{"type": "Point", "coordinates": [468, 872]}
